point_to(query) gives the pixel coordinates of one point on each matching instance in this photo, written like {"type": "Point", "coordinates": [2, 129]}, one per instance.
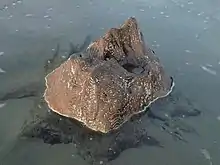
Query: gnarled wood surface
{"type": "Point", "coordinates": [110, 82]}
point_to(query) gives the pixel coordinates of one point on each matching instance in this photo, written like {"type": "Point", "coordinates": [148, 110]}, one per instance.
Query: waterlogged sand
{"type": "Point", "coordinates": [184, 31]}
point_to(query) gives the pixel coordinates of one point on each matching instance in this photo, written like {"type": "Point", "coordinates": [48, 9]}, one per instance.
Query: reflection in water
{"type": "Point", "coordinates": [170, 113]}
{"type": "Point", "coordinates": [91, 146]}
{"type": "Point", "coordinates": [95, 147]}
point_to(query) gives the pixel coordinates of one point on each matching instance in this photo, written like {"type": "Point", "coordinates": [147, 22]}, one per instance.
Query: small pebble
{"type": "Point", "coordinates": [200, 13]}
{"type": "Point", "coordinates": [101, 162]}
{"type": "Point", "coordinates": [190, 3]}
{"type": "Point", "coordinates": [90, 138]}
{"type": "Point", "coordinates": [161, 12]}
{"type": "Point", "coordinates": [13, 4]}
{"type": "Point", "coordinates": [218, 118]}
{"type": "Point", "coordinates": [154, 17]}
{"type": "Point", "coordinates": [46, 16]}
{"type": "Point", "coordinates": [142, 10]}
{"type": "Point", "coordinates": [50, 9]}
{"type": "Point", "coordinates": [1, 70]}
{"type": "Point", "coordinates": [209, 65]}
{"type": "Point", "coordinates": [19, 2]}
{"type": "Point", "coordinates": [48, 27]}
{"type": "Point", "coordinates": [167, 16]}
{"type": "Point", "coordinates": [206, 154]}
{"type": "Point", "coordinates": [2, 105]}
{"type": "Point", "coordinates": [213, 72]}
{"type": "Point", "coordinates": [28, 15]}
{"type": "Point", "coordinates": [2, 53]}
{"type": "Point", "coordinates": [188, 51]}
{"type": "Point", "coordinates": [166, 115]}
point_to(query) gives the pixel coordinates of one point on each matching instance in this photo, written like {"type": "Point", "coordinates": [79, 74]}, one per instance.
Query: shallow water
{"type": "Point", "coordinates": [184, 34]}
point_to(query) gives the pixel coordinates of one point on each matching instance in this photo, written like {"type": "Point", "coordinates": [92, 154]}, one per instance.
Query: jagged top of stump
{"type": "Point", "coordinates": [112, 80]}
